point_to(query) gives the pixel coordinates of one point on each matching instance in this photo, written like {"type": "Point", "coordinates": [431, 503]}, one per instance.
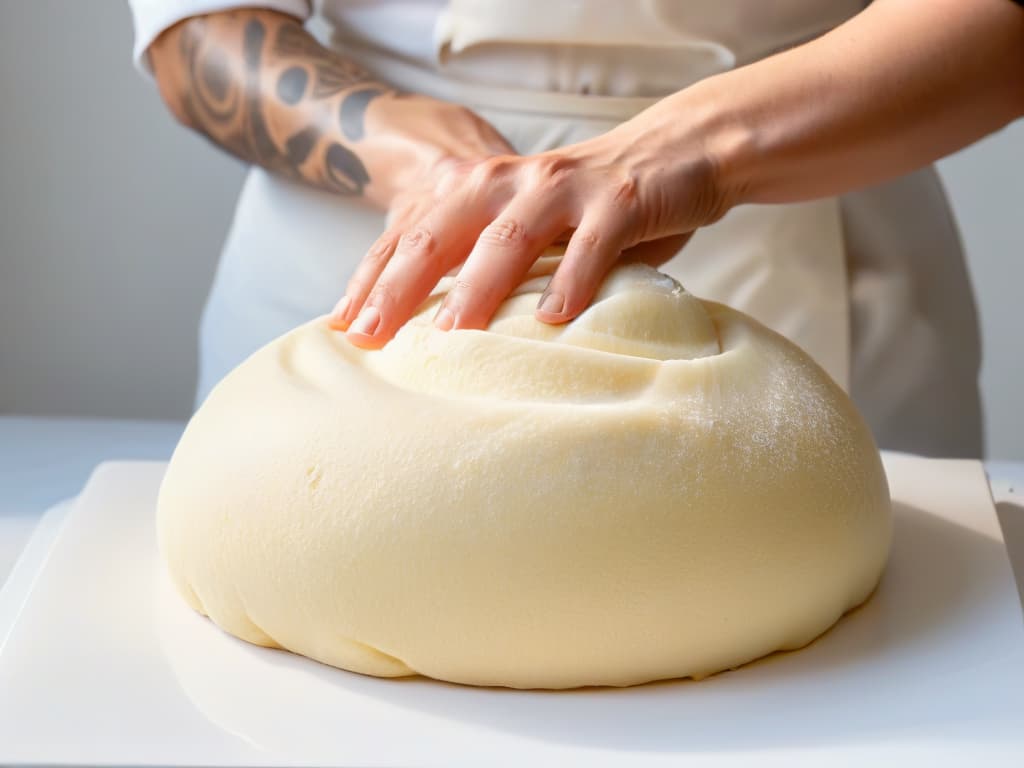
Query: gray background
{"type": "Point", "coordinates": [111, 219]}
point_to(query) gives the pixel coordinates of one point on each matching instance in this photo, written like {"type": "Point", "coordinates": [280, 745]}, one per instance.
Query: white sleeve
{"type": "Point", "coordinates": [154, 16]}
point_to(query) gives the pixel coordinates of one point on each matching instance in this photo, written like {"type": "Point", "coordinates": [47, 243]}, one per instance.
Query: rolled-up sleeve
{"type": "Point", "coordinates": [151, 17]}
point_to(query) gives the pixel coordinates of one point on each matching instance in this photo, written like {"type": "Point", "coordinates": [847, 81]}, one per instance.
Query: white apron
{"type": "Point", "coordinates": [872, 285]}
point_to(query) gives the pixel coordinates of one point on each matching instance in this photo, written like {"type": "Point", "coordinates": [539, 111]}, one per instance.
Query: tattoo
{"type": "Point", "coordinates": [300, 144]}
{"type": "Point", "coordinates": [211, 93]}
{"type": "Point", "coordinates": [291, 86]}
{"type": "Point", "coordinates": [227, 97]}
{"type": "Point", "coordinates": [344, 169]}
{"type": "Point", "coordinates": [259, 138]}
{"type": "Point", "coordinates": [333, 74]}
{"type": "Point", "coordinates": [215, 75]}
{"type": "Point", "coordinates": [353, 109]}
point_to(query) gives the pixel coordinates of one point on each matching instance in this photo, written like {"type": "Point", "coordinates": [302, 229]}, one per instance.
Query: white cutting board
{"type": "Point", "coordinates": [103, 664]}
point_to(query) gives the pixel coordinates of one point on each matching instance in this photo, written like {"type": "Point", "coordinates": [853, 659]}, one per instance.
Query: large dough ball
{"type": "Point", "coordinates": [662, 488]}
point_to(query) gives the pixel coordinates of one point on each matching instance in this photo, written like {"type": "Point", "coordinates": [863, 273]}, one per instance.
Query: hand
{"type": "Point", "coordinates": [636, 192]}
{"type": "Point", "coordinates": [412, 140]}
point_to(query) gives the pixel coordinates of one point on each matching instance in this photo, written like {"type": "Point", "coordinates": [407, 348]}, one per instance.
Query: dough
{"type": "Point", "coordinates": [661, 488]}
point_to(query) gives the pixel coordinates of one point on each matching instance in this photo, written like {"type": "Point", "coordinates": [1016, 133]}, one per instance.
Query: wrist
{"type": "Point", "coordinates": [690, 151]}
{"type": "Point", "coordinates": [706, 117]}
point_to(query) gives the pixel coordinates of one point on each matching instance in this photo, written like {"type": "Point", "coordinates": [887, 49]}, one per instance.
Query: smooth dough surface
{"type": "Point", "coordinates": [661, 488]}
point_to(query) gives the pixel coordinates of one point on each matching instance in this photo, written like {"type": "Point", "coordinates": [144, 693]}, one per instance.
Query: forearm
{"type": "Point", "coordinates": [258, 85]}
{"type": "Point", "coordinates": [899, 86]}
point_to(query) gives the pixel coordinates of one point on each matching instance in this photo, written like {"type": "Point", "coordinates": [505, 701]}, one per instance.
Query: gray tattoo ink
{"type": "Point", "coordinates": [353, 110]}
{"type": "Point", "coordinates": [232, 114]}
{"type": "Point", "coordinates": [211, 94]}
{"type": "Point", "coordinates": [299, 145]}
{"type": "Point", "coordinates": [332, 75]}
{"type": "Point", "coordinates": [344, 170]}
{"type": "Point", "coordinates": [215, 75]}
{"type": "Point", "coordinates": [291, 86]}
{"type": "Point", "coordinates": [261, 142]}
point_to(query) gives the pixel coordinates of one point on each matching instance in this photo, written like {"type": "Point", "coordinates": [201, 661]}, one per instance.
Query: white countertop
{"type": "Point", "coordinates": [46, 460]}
{"type": "Point", "coordinates": [927, 673]}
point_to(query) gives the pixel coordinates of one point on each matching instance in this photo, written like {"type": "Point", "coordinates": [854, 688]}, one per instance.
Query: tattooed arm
{"type": "Point", "coordinates": [258, 85]}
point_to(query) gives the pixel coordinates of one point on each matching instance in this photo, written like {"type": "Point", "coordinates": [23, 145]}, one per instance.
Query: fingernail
{"type": "Point", "coordinates": [444, 319]}
{"type": "Point", "coordinates": [367, 322]}
{"type": "Point", "coordinates": [339, 312]}
{"type": "Point", "coordinates": [552, 303]}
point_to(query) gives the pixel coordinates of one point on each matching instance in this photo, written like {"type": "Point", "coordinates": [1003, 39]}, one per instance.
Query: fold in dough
{"type": "Point", "coordinates": [661, 488]}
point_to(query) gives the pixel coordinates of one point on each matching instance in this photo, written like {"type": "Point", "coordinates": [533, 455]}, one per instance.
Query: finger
{"type": "Point", "coordinates": [593, 249]}
{"type": "Point", "coordinates": [363, 279]}
{"type": "Point", "coordinates": [500, 260]}
{"type": "Point", "coordinates": [373, 263]}
{"type": "Point", "coordinates": [423, 254]}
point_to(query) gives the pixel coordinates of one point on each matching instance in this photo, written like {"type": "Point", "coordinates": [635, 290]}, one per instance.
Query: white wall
{"type": "Point", "coordinates": [986, 185]}
{"type": "Point", "coordinates": [111, 218]}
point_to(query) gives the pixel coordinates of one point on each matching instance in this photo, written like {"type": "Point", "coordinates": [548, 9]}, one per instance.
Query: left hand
{"type": "Point", "coordinates": [637, 192]}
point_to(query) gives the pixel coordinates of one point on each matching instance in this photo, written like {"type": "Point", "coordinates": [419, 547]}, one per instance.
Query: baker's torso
{"type": "Point", "coordinates": [872, 285]}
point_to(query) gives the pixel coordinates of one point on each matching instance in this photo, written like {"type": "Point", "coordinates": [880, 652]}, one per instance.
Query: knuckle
{"type": "Point", "coordinates": [381, 296]}
{"type": "Point", "coordinates": [419, 242]}
{"type": "Point", "coordinates": [559, 180]}
{"type": "Point", "coordinates": [587, 239]}
{"type": "Point", "coordinates": [504, 233]}
{"type": "Point", "coordinates": [449, 166]}
{"type": "Point", "coordinates": [449, 184]}
{"type": "Point", "coordinates": [378, 253]}
{"type": "Point", "coordinates": [419, 253]}
{"type": "Point", "coordinates": [624, 192]}
{"type": "Point", "coordinates": [494, 167]}
{"type": "Point", "coordinates": [450, 174]}
{"type": "Point", "coordinates": [552, 173]}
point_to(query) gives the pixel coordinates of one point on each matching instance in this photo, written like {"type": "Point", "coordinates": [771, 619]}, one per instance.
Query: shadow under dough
{"type": "Point", "coordinates": [899, 646]}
